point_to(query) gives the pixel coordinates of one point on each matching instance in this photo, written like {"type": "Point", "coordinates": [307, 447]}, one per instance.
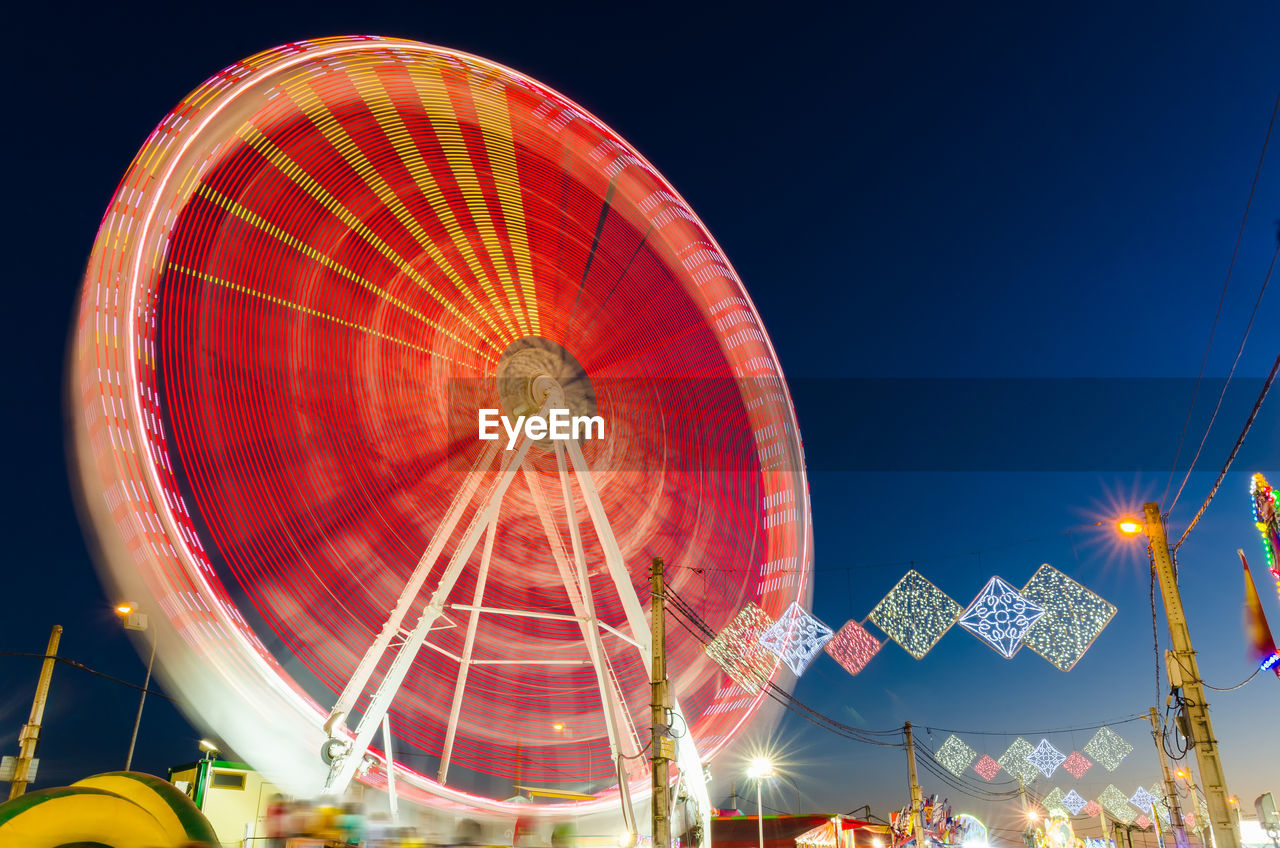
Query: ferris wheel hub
{"type": "Point", "coordinates": [533, 369]}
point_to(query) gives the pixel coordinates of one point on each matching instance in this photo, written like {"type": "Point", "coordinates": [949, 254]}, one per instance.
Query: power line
{"type": "Point", "coordinates": [1221, 299]}
{"type": "Point", "coordinates": [84, 667]}
{"type": "Point", "coordinates": [1248, 424]}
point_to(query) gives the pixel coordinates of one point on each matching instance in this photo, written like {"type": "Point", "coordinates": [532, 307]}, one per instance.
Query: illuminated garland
{"type": "Point", "coordinates": [1143, 800]}
{"type": "Point", "coordinates": [1266, 517]}
{"type": "Point", "coordinates": [1052, 802]}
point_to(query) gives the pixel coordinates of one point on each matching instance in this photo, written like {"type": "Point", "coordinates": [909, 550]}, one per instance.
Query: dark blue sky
{"type": "Point", "coordinates": [908, 191]}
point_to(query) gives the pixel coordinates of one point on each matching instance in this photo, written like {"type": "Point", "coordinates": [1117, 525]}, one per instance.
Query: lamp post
{"type": "Point", "coordinates": [1223, 830]}
{"type": "Point", "coordinates": [760, 769]}
{"type": "Point", "coordinates": [134, 620]}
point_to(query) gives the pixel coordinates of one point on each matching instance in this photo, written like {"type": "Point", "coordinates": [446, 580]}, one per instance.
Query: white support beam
{"type": "Point", "coordinates": [344, 767]}
{"type": "Point", "coordinates": [393, 802]}
{"type": "Point", "coordinates": [469, 642]}
{"type": "Point", "coordinates": [360, 677]}
{"type": "Point", "coordinates": [611, 701]}
{"type": "Point", "coordinates": [687, 757]}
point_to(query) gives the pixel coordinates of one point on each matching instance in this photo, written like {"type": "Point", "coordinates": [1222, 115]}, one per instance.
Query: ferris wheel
{"type": "Point", "coordinates": [319, 270]}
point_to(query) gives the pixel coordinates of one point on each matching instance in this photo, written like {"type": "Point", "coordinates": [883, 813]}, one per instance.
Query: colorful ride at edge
{"type": "Point", "coordinates": [941, 827]}
{"type": "Point", "coordinates": [123, 809]}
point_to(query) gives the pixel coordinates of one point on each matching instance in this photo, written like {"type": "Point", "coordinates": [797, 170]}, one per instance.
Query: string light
{"type": "Point", "coordinates": [1077, 763]}
{"type": "Point", "coordinates": [1074, 802]}
{"type": "Point", "coordinates": [1108, 747]}
{"type": "Point", "coordinates": [1073, 617]}
{"type": "Point", "coordinates": [738, 652]}
{"type": "Point", "coordinates": [1014, 760]}
{"type": "Point", "coordinates": [915, 614]}
{"type": "Point", "coordinates": [796, 638]}
{"type": "Point", "coordinates": [1000, 617]}
{"type": "Point", "coordinates": [1266, 517]}
{"type": "Point", "coordinates": [852, 647]}
{"type": "Point", "coordinates": [955, 755]}
{"type": "Point", "coordinates": [987, 767]}
{"type": "Point", "coordinates": [1046, 758]}
{"type": "Point", "coordinates": [1115, 803]}
{"type": "Point", "coordinates": [1053, 802]}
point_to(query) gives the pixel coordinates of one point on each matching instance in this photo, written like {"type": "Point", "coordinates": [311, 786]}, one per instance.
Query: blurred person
{"type": "Point", "coordinates": [277, 821]}
{"type": "Point", "coordinates": [350, 823]}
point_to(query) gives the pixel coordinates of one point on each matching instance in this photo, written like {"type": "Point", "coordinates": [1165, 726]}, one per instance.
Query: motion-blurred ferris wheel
{"type": "Point", "coordinates": [317, 270]}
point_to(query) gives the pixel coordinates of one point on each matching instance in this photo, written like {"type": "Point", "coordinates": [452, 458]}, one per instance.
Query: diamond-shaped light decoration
{"type": "Point", "coordinates": [1143, 800]}
{"type": "Point", "coordinates": [987, 767]}
{"type": "Point", "coordinates": [796, 638]}
{"type": "Point", "coordinates": [1000, 616]}
{"type": "Point", "coordinates": [1073, 617]}
{"type": "Point", "coordinates": [1107, 747]}
{"type": "Point", "coordinates": [1077, 763]}
{"type": "Point", "coordinates": [1142, 821]}
{"type": "Point", "coordinates": [852, 647]}
{"type": "Point", "coordinates": [1014, 760]}
{"type": "Point", "coordinates": [1074, 802]}
{"type": "Point", "coordinates": [1162, 804]}
{"type": "Point", "coordinates": [955, 755]}
{"type": "Point", "coordinates": [1092, 808]}
{"type": "Point", "coordinates": [737, 650]}
{"type": "Point", "coordinates": [1114, 802]}
{"type": "Point", "coordinates": [1052, 802]}
{"type": "Point", "coordinates": [915, 614]}
{"type": "Point", "coordinates": [1046, 758]}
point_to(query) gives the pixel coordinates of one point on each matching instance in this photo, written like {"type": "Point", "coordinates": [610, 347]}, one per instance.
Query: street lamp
{"type": "Point", "coordinates": [1129, 526]}
{"type": "Point", "coordinates": [134, 620]}
{"type": "Point", "coordinates": [210, 749]}
{"type": "Point", "coordinates": [760, 768]}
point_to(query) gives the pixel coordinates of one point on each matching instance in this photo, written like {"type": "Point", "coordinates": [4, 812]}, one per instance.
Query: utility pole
{"type": "Point", "coordinates": [917, 797]}
{"type": "Point", "coordinates": [1222, 823]}
{"type": "Point", "coordinates": [661, 744]}
{"type": "Point", "coordinates": [30, 735]}
{"type": "Point", "coordinates": [1170, 788]}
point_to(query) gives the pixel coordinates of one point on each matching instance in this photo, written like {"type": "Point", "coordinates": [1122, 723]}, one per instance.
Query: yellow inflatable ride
{"type": "Point", "coordinates": [122, 809]}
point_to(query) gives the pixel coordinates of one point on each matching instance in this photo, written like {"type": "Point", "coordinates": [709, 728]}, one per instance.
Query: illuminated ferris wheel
{"type": "Point", "coordinates": [319, 269]}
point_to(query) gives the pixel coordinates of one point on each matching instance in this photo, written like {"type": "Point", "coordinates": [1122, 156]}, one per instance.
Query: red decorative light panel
{"type": "Point", "coordinates": [987, 767]}
{"type": "Point", "coordinates": [852, 647]}
{"type": "Point", "coordinates": [1077, 764]}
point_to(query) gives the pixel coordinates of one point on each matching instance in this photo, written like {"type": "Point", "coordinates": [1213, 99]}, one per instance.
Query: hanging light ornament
{"type": "Point", "coordinates": [1046, 758]}
{"type": "Point", "coordinates": [1108, 747]}
{"type": "Point", "coordinates": [915, 614]}
{"type": "Point", "coordinates": [955, 755]}
{"type": "Point", "coordinates": [1074, 802]}
{"type": "Point", "coordinates": [987, 767]}
{"type": "Point", "coordinates": [1014, 760]}
{"type": "Point", "coordinates": [1115, 803]}
{"type": "Point", "coordinates": [1073, 617]}
{"type": "Point", "coordinates": [1077, 763]}
{"type": "Point", "coordinates": [737, 650]}
{"type": "Point", "coordinates": [852, 647]}
{"type": "Point", "coordinates": [796, 638]}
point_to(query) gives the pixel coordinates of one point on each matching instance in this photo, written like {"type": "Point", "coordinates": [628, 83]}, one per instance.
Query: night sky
{"type": "Point", "coordinates": [915, 196]}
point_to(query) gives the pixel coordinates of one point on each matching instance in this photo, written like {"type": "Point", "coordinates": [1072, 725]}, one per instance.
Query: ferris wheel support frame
{"type": "Point", "coordinates": [624, 746]}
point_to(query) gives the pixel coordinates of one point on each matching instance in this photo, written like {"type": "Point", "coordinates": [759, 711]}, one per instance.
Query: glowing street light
{"type": "Point", "coordinates": [134, 620]}
{"type": "Point", "coordinates": [760, 768]}
{"type": "Point", "coordinates": [1129, 526]}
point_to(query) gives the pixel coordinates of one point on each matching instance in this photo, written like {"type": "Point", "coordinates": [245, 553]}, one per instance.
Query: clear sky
{"type": "Point", "coordinates": [908, 191]}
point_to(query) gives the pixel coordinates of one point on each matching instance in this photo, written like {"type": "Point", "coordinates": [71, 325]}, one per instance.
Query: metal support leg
{"type": "Point", "coordinates": [345, 765]}
{"type": "Point", "coordinates": [468, 644]}
{"type": "Point", "coordinates": [393, 802]}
